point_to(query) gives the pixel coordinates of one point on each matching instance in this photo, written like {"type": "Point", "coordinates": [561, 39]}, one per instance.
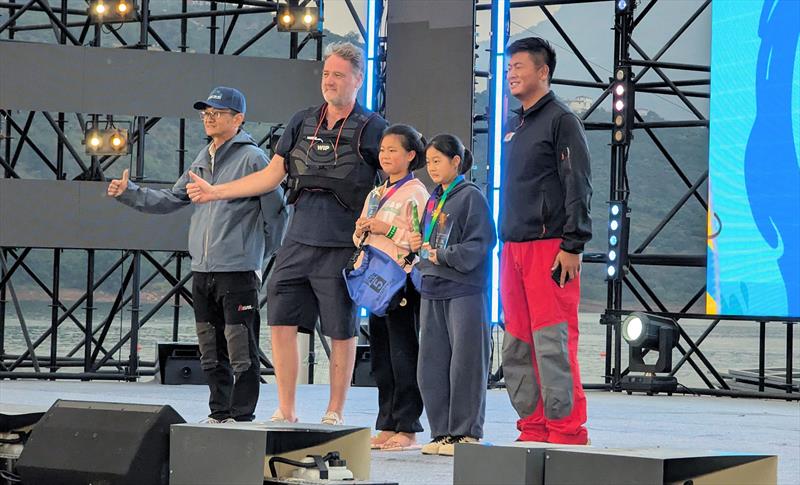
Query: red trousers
{"type": "Point", "coordinates": [540, 346]}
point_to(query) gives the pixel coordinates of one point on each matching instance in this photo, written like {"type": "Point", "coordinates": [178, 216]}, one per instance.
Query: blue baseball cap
{"type": "Point", "coordinates": [223, 98]}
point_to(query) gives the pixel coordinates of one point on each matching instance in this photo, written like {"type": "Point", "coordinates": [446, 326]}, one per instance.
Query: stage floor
{"type": "Point", "coordinates": [615, 420]}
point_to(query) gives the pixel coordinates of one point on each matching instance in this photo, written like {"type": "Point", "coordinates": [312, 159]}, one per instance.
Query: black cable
{"type": "Point", "coordinates": [10, 477]}
{"type": "Point", "coordinates": [13, 441]}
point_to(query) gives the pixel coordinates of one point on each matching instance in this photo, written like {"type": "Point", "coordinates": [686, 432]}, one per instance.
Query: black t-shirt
{"type": "Point", "coordinates": [319, 219]}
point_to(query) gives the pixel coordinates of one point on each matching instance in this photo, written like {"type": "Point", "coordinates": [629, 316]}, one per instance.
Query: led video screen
{"type": "Point", "coordinates": [754, 190]}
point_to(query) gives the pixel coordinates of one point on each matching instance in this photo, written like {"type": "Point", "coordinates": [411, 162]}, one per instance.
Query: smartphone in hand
{"type": "Point", "coordinates": [556, 274]}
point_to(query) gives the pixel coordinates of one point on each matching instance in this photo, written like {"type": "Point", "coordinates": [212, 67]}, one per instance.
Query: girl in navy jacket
{"type": "Point", "coordinates": [458, 235]}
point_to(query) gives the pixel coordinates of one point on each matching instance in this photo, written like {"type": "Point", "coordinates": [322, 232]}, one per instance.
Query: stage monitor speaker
{"type": "Point", "coordinates": [657, 466]}
{"type": "Point", "coordinates": [241, 451]}
{"type": "Point", "coordinates": [79, 442]}
{"type": "Point", "coordinates": [362, 372]}
{"type": "Point", "coordinates": [179, 363]}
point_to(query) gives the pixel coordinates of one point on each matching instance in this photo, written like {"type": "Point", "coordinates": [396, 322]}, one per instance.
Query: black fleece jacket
{"type": "Point", "coordinates": [547, 180]}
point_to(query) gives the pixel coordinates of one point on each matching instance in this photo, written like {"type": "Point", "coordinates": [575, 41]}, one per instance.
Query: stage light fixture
{"type": "Point", "coordinates": [617, 239]}
{"type": "Point", "coordinates": [106, 141]}
{"type": "Point", "coordinates": [645, 332]}
{"type": "Point", "coordinates": [293, 18]}
{"type": "Point", "coordinates": [623, 102]}
{"type": "Point", "coordinates": [112, 11]}
{"type": "Point", "coordinates": [623, 7]}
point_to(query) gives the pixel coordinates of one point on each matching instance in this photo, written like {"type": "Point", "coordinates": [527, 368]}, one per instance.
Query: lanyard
{"type": "Point", "coordinates": [431, 216]}
{"type": "Point", "coordinates": [316, 131]}
{"type": "Point", "coordinates": [394, 188]}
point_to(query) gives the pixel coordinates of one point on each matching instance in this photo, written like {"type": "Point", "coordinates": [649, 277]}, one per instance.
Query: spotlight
{"type": "Point", "coordinates": [116, 140]}
{"type": "Point", "coordinates": [624, 7]}
{"type": "Point", "coordinates": [645, 332]}
{"type": "Point", "coordinates": [293, 18]}
{"type": "Point", "coordinates": [108, 11]}
{"type": "Point", "coordinates": [617, 239]}
{"type": "Point", "coordinates": [108, 141]}
{"type": "Point", "coordinates": [623, 102]}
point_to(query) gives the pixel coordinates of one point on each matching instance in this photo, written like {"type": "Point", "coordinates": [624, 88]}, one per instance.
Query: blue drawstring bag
{"type": "Point", "coordinates": [375, 285]}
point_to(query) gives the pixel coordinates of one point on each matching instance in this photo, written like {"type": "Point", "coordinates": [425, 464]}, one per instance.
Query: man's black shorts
{"type": "Point", "coordinates": [307, 283]}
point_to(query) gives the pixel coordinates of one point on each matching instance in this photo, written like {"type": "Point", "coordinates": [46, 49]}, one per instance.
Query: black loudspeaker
{"type": "Point", "coordinates": [179, 363]}
{"type": "Point", "coordinates": [362, 373]}
{"type": "Point", "coordinates": [79, 442]}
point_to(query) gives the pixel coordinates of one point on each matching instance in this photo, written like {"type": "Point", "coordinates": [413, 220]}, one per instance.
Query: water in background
{"type": "Point", "coordinates": [732, 345]}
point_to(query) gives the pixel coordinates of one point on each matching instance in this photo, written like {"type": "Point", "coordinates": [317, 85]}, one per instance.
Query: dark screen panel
{"type": "Point", "coordinates": [133, 82]}
{"type": "Point", "coordinates": [430, 65]}
{"type": "Point", "coordinates": [74, 215]}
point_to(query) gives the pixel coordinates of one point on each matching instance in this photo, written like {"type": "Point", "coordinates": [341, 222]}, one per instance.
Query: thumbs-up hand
{"type": "Point", "coordinates": [118, 186]}
{"type": "Point", "coordinates": [199, 190]}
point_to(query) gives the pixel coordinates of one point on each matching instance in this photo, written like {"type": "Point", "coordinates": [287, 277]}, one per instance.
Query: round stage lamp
{"type": "Point", "coordinates": [122, 7]}
{"type": "Point", "coordinates": [632, 328]}
{"type": "Point", "coordinates": [612, 255]}
{"type": "Point", "coordinates": [614, 209]}
{"type": "Point", "coordinates": [117, 141]}
{"type": "Point", "coordinates": [619, 104]}
{"type": "Point", "coordinates": [612, 240]}
{"type": "Point", "coordinates": [611, 271]}
{"type": "Point", "coordinates": [287, 19]}
{"type": "Point", "coordinates": [308, 19]}
{"type": "Point", "coordinates": [619, 90]}
{"type": "Point", "coordinates": [642, 330]}
{"type": "Point", "coordinates": [94, 141]}
{"type": "Point", "coordinates": [614, 225]}
{"type": "Point", "coordinates": [100, 8]}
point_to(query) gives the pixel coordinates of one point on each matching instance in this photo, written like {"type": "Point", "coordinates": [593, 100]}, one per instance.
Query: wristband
{"type": "Point", "coordinates": [392, 231]}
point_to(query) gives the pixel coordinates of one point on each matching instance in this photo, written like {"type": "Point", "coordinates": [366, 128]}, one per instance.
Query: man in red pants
{"type": "Point", "coordinates": [544, 224]}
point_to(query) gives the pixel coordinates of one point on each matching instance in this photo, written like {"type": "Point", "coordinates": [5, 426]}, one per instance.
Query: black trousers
{"type": "Point", "coordinates": [394, 346]}
{"type": "Point", "coordinates": [227, 319]}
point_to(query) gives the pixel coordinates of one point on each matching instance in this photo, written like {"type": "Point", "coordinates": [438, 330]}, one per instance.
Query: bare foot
{"type": "Point", "coordinates": [401, 441]}
{"type": "Point", "coordinates": [377, 441]}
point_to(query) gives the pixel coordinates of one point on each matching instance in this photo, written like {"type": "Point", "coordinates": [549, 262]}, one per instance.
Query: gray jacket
{"type": "Point", "coordinates": [224, 235]}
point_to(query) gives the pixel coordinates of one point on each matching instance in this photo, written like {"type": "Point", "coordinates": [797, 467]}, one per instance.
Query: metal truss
{"type": "Point", "coordinates": [627, 52]}
{"type": "Point", "coordinates": [97, 356]}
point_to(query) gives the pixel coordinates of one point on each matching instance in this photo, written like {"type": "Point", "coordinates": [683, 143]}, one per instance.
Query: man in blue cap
{"type": "Point", "coordinates": [229, 241]}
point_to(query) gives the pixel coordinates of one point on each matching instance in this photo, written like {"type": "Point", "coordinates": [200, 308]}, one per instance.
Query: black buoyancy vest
{"type": "Point", "coordinates": [314, 164]}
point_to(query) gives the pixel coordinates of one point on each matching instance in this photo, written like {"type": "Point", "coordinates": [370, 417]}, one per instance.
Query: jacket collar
{"type": "Point", "coordinates": [537, 106]}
